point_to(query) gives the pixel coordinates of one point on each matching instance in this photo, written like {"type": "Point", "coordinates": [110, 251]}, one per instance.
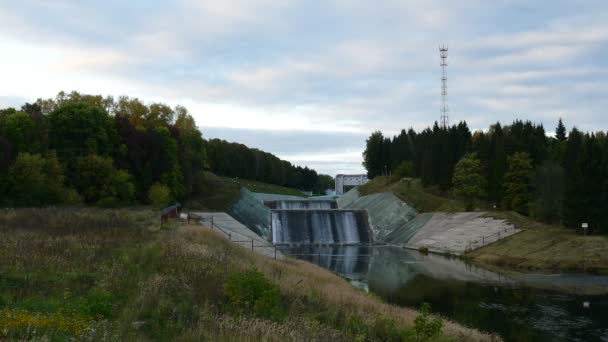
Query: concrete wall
{"type": "Point", "coordinates": [251, 211]}
{"type": "Point", "coordinates": [386, 212]}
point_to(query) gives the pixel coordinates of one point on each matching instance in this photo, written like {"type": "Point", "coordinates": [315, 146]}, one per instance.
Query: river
{"type": "Point", "coordinates": [518, 307]}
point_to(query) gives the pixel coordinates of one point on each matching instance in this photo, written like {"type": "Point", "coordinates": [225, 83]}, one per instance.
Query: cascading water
{"type": "Point", "coordinates": [301, 204]}
{"type": "Point", "coordinates": [313, 226]}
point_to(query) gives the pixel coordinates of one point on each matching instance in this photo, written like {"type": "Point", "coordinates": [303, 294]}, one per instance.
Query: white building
{"type": "Point", "coordinates": [347, 182]}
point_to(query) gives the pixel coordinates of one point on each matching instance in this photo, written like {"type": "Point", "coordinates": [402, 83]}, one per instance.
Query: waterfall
{"type": "Point", "coordinates": [301, 204]}
{"type": "Point", "coordinates": [315, 226]}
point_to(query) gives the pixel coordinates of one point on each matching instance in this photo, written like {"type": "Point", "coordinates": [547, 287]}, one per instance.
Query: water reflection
{"type": "Point", "coordinates": [519, 308]}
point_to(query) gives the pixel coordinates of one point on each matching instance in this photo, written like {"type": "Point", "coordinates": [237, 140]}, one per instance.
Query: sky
{"type": "Point", "coordinates": [310, 80]}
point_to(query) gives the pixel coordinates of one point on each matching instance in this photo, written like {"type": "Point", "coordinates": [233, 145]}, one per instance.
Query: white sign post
{"type": "Point", "coordinates": [585, 227]}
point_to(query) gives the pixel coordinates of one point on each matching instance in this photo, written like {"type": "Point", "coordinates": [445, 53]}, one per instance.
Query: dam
{"type": "Point", "coordinates": [319, 226]}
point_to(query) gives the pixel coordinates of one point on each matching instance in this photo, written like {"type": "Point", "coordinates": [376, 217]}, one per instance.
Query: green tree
{"type": "Point", "coordinates": [405, 169]}
{"type": "Point", "coordinates": [97, 180]}
{"type": "Point", "coordinates": [518, 183]}
{"type": "Point", "coordinates": [560, 131]}
{"type": "Point", "coordinates": [373, 156]}
{"type": "Point", "coordinates": [159, 196]}
{"type": "Point", "coordinates": [468, 181]}
{"type": "Point", "coordinates": [549, 187]}
{"type": "Point", "coordinates": [34, 180]}
{"type": "Point", "coordinates": [78, 129]}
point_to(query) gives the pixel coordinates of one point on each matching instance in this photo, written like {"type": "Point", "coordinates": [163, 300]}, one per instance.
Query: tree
{"type": "Point", "coordinates": [405, 169]}
{"type": "Point", "coordinates": [78, 129]}
{"type": "Point", "coordinates": [468, 181]}
{"type": "Point", "coordinates": [159, 195]}
{"type": "Point", "coordinates": [34, 180]}
{"type": "Point", "coordinates": [497, 164]}
{"type": "Point", "coordinates": [97, 180]}
{"type": "Point", "coordinates": [549, 187]}
{"type": "Point", "coordinates": [373, 156]}
{"type": "Point", "coordinates": [574, 199]}
{"type": "Point", "coordinates": [560, 131]}
{"type": "Point", "coordinates": [518, 183]}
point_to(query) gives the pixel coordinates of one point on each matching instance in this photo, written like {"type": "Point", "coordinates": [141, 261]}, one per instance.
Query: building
{"type": "Point", "coordinates": [347, 182]}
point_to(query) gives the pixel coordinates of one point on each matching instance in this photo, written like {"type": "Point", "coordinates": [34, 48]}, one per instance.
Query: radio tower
{"type": "Point", "coordinates": [443, 52]}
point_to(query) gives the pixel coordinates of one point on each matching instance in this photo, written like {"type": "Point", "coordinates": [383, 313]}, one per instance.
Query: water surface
{"type": "Point", "coordinates": [517, 307]}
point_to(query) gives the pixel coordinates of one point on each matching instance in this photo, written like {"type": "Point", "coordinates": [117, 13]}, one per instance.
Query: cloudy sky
{"type": "Point", "coordinates": [309, 80]}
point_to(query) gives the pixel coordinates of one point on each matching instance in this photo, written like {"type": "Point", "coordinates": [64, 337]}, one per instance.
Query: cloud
{"type": "Point", "coordinates": [343, 68]}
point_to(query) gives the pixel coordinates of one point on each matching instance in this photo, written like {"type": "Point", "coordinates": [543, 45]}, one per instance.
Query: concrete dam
{"type": "Point", "coordinates": [319, 226]}
{"type": "Point", "coordinates": [289, 220]}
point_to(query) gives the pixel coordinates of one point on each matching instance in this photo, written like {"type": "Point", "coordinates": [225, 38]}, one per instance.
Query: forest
{"type": "Point", "coordinates": [559, 178]}
{"type": "Point", "coordinates": [89, 149]}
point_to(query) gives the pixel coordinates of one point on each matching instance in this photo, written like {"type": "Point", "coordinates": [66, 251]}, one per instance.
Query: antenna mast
{"type": "Point", "coordinates": [443, 53]}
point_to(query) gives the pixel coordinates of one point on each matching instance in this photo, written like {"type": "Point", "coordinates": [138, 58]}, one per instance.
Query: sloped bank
{"type": "Point", "coordinates": [386, 212]}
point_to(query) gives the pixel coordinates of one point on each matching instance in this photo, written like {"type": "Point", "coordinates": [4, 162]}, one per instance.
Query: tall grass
{"type": "Point", "coordinates": [111, 275]}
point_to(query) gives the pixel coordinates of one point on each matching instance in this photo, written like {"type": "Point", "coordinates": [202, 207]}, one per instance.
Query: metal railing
{"type": "Point", "coordinates": [474, 244]}
{"type": "Point", "coordinates": [213, 226]}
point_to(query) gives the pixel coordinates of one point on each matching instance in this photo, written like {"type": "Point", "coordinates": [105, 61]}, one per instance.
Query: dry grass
{"type": "Point", "coordinates": [545, 247]}
{"type": "Point", "coordinates": [306, 282]}
{"type": "Point", "coordinates": [128, 280]}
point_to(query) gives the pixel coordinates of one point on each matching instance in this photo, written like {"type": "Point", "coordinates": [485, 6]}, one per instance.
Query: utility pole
{"type": "Point", "coordinates": [444, 120]}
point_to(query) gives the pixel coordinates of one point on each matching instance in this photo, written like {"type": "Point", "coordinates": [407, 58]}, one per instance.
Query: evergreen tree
{"type": "Point", "coordinates": [560, 131]}
{"type": "Point", "coordinates": [574, 202]}
{"type": "Point", "coordinates": [518, 183]}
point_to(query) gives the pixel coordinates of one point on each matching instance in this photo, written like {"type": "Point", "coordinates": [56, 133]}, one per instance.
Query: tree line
{"type": "Point", "coordinates": [77, 148]}
{"type": "Point", "coordinates": [251, 163]}
{"type": "Point", "coordinates": [557, 179]}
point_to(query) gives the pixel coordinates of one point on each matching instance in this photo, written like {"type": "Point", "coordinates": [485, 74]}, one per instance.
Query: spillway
{"type": "Point", "coordinates": [301, 204]}
{"type": "Point", "coordinates": [319, 226]}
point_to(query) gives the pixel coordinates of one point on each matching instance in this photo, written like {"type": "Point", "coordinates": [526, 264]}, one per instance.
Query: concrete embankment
{"type": "Point", "coordinates": [386, 212]}
{"type": "Point", "coordinates": [394, 222]}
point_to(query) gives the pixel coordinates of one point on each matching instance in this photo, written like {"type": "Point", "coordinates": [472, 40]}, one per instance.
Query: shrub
{"type": "Point", "coordinates": [404, 170]}
{"type": "Point", "coordinates": [98, 304]}
{"type": "Point", "coordinates": [423, 250]}
{"type": "Point", "coordinates": [425, 325]}
{"type": "Point", "coordinates": [251, 292]}
{"type": "Point", "coordinates": [159, 195]}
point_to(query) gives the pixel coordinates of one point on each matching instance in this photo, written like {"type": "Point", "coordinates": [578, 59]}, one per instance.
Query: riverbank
{"type": "Point", "coordinates": [539, 247]}
{"type": "Point", "coordinates": [544, 248]}
{"type": "Point", "coordinates": [114, 274]}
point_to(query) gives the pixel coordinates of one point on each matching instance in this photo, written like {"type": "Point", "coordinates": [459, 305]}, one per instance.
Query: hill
{"type": "Point", "coordinates": [221, 192]}
{"type": "Point", "coordinates": [411, 191]}
{"type": "Point", "coordinates": [88, 274]}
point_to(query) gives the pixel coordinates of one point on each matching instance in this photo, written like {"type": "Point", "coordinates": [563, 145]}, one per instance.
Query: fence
{"type": "Point", "coordinates": [228, 234]}
{"type": "Point", "coordinates": [488, 239]}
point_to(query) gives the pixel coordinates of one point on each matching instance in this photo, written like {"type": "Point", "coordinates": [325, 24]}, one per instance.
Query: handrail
{"type": "Point", "coordinates": [229, 234]}
{"type": "Point", "coordinates": [472, 243]}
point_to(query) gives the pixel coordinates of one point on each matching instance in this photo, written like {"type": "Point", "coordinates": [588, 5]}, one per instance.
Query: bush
{"type": "Point", "coordinates": [424, 250]}
{"type": "Point", "coordinates": [404, 170]}
{"type": "Point", "coordinates": [425, 325]}
{"type": "Point", "coordinates": [251, 292]}
{"type": "Point", "coordinates": [159, 195]}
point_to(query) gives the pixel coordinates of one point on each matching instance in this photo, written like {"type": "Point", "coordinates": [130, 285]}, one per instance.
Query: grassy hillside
{"type": "Point", "coordinates": [114, 275]}
{"type": "Point", "coordinates": [545, 247]}
{"type": "Point", "coordinates": [221, 192]}
{"type": "Point", "coordinates": [412, 192]}
{"type": "Point", "coordinates": [267, 188]}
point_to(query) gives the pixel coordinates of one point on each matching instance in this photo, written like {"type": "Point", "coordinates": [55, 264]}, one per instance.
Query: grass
{"type": "Point", "coordinates": [539, 247]}
{"type": "Point", "coordinates": [544, 247]}
{"type": "Point", "coordinates": [91, 274]}
{"type": "Point", "coordinates": [222, 192]}
{"type": "Point", "coordinates": [266, 188]}
{"type": "Point", "coordinates": [414, 193]}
